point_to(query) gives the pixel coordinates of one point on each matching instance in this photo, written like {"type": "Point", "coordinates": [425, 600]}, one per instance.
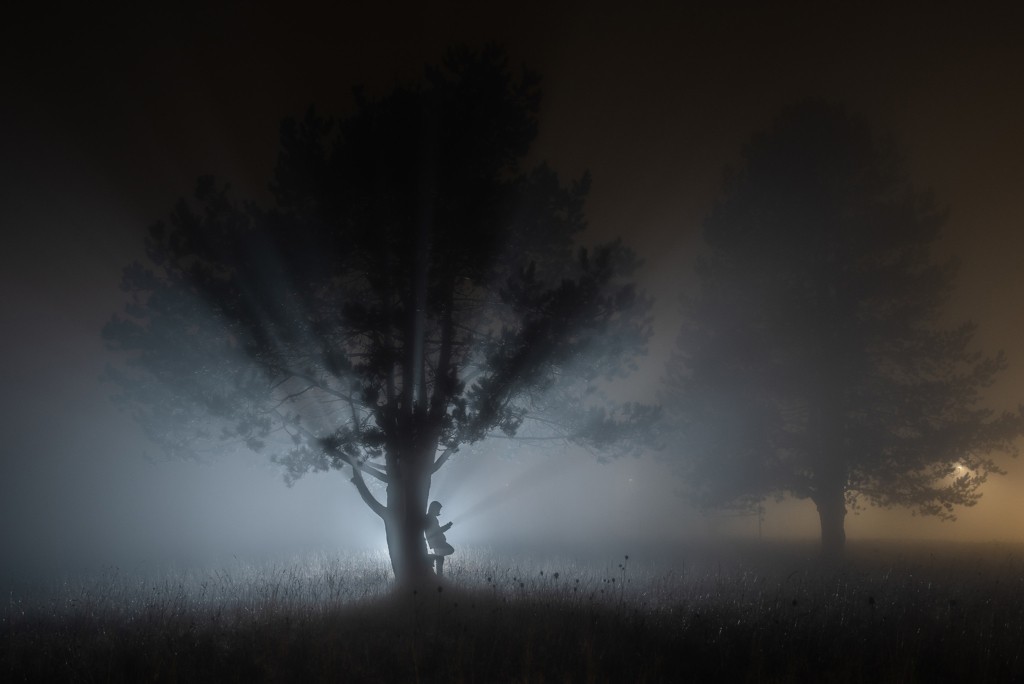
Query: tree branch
{"type": "Point", "coordinates": [443, 458]}
{"type": "Point", "coordinates": [372, 470]}
{"type": "Point", "coordinates": [365, 493]}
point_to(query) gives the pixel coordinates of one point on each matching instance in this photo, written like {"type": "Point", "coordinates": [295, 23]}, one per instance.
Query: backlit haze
{"type": "Point", "coordinates": [109, 117]}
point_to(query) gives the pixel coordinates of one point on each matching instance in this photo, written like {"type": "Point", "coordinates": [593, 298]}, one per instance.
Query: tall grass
{"type": "Point", "coordinates": [713, 613]}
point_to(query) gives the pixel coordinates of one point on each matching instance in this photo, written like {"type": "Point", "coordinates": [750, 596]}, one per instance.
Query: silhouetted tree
{"type": "Point", "coordinates": [410, 291]}
{"type": "Point", "coordinates": [811, 361]}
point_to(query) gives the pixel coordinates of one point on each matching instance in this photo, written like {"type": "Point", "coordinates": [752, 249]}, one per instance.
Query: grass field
{"type": "Point", "coordinates": [757, 613]}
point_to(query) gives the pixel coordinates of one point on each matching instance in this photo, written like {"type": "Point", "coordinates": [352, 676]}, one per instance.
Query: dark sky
{"type": "Point", "coordinates": [109, 115]}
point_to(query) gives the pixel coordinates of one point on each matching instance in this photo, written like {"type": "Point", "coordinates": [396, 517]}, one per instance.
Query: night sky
{"type": "Point", "coordinates": [108, 116]}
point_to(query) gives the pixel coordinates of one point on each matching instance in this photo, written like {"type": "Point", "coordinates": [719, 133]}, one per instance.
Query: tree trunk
{"type": "Point", "coordinates": [408, 552]}
{"type": "Point", "coordinates": [407, 495]}
{"type": "Point", "coordinates": [832, 514]}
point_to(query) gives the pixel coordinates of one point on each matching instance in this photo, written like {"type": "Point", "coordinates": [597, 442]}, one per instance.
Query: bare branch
{"type": "Point", "coordinates": [366, 495]}
{"type": "Point", "coordinates": [443, 458]}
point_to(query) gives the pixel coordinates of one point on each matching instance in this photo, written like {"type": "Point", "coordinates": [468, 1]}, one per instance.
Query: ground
{"type": "Point", "coordinates": [721, 612]}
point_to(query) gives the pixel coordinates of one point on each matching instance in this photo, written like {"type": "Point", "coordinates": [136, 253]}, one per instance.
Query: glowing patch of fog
{"type": "Point", "coordinates": [563, 499]}
{"type": "Point", "coordinates": [84, 495]}
{"type": "Point", "coordinates": [535, 473]}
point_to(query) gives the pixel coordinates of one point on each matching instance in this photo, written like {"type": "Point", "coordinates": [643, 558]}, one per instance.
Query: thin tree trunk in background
{"type": "Point", "coordinates": [832, 514]}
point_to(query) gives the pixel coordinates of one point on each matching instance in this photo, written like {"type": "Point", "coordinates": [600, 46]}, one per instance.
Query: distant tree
{"type": "Point", "coordinates": [411, 291]}
{"type": "Point", "coordinates": [812, 361]}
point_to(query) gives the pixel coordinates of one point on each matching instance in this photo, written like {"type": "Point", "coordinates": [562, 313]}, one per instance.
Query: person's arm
{"type": "Point", "coordinates": [446, 527]}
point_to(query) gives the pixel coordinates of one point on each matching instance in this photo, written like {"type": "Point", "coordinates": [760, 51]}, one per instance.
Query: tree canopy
{"type": "Point", "coordinates": [411, 290]}
{"type": "Point", "coordinates": [813, 361]}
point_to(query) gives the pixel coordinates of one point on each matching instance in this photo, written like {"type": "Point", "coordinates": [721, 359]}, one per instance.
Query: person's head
{"type": "Point", "coordinates": [435, 508]}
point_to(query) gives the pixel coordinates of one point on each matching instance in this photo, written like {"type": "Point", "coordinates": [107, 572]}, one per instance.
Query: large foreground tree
{"type": "Point", "coordinates": [411, 290]}
{"type": "Point", "coordinates": [812, 361]}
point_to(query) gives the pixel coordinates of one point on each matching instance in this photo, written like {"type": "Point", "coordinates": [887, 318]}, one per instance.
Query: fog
{"type": "Point", "coordinates": [82, 490]}
{"type": "Point", "coordinates": [81, 486]}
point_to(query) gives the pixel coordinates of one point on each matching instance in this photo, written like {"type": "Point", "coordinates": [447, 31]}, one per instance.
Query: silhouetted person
{"type": "Point", "coordinates": [434, 533]}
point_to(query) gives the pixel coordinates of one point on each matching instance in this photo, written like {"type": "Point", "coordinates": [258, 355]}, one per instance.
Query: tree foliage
{"type": "Point", "coordinates": [411, 290]}
{"type": "Point", "coordinates": [813, 361]}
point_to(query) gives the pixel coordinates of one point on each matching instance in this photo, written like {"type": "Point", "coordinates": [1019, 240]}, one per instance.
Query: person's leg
{"type": "Point", "coordinates": [440, 566]}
